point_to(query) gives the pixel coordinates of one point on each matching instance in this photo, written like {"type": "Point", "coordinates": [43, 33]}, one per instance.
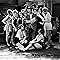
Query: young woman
{"type": "Point", "coordinates": [8, 27]}
{"type": "Point", "coordinates": [36, 41]}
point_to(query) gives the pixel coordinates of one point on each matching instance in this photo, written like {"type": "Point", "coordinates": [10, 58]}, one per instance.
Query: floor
{"type": "Point", "coordinates": [49, 54]}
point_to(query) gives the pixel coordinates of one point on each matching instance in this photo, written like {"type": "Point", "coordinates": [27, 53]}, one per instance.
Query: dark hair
{"type": "Point", "coordinates": [9, 12]}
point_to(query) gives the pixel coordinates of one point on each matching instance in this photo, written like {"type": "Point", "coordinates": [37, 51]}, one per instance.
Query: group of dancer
{"type": "Point", "coordinates": [28, 28]}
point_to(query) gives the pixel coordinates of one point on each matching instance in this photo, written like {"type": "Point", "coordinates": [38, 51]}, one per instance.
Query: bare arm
{"type": "Point", "coordinates": [39, 38]}
{"type": "Point", "coordinates": [5, 19]}
{"type": "Point", "coordinates": [13, 25]}
{"type": "Point", "coordinates": [34, 40]}
{"type": "Point", "coordinates": [31, 21]}
{"type": "Point", "coordinates": [40, 17]}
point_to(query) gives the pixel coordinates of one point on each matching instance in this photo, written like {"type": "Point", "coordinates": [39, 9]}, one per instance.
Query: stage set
{"type": "Point", "coordinates": [30, 25]}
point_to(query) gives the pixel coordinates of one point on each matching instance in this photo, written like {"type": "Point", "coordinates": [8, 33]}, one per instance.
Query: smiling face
{"type": "Point", "coordinates": [45, 11]}
{"type": "Point", "coordinates": [16, 14]}
{"type": "Point", "coordinates": [10, 13]}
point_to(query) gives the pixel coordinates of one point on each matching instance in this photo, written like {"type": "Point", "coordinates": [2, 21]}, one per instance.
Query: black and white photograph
{"type": "Point", "coordinates": [30, 29]}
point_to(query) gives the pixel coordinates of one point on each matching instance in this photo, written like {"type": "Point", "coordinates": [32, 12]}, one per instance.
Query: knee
{"type": "Point", "coordinates": [37, 45]}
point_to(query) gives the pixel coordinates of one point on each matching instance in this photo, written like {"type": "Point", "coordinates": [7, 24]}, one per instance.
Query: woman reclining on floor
{"type": "Point", "coordinates": [36, 42]}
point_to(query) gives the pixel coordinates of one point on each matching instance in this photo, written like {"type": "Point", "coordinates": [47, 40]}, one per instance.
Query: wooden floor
{"type": "Point", "coordinates": [49, 54]}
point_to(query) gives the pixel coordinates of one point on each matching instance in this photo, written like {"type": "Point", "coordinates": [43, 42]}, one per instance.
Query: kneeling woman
{"type": "Point", "coordinates": [36, 42]}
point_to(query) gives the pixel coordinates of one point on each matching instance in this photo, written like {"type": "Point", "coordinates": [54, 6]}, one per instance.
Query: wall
{"type": "Point", "coordinates": [56, 10]}
{"type": "Point", "coordinates": [21, 2]}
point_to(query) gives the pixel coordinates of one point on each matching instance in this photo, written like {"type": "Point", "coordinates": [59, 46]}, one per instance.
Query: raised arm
{"type": "Point", "coordinates": [42, 18]}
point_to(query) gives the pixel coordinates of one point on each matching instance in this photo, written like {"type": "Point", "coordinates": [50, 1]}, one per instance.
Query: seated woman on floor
{"type": "Point", "coordinates": [21, 35]}
{"type": "Point", "coordinates": [36, 42]}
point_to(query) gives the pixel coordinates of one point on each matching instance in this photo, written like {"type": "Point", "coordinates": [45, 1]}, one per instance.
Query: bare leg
{"type": "Point", "coordinates": [7, 38]}
{"type": "Point", "coordinates": [38, 46]}
{"type": "Point", "coordinates": [44, 31]}
{"type": "Point", "coordinates": [12, 38]}
{"type": "Point", "coordinates": [20, 46]}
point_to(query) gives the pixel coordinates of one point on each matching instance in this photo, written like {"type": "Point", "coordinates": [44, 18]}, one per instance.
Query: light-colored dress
{"type": "Point", "coordinates": [48, 24]}
{"type": "Point", "coordinates": [20, 34]}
